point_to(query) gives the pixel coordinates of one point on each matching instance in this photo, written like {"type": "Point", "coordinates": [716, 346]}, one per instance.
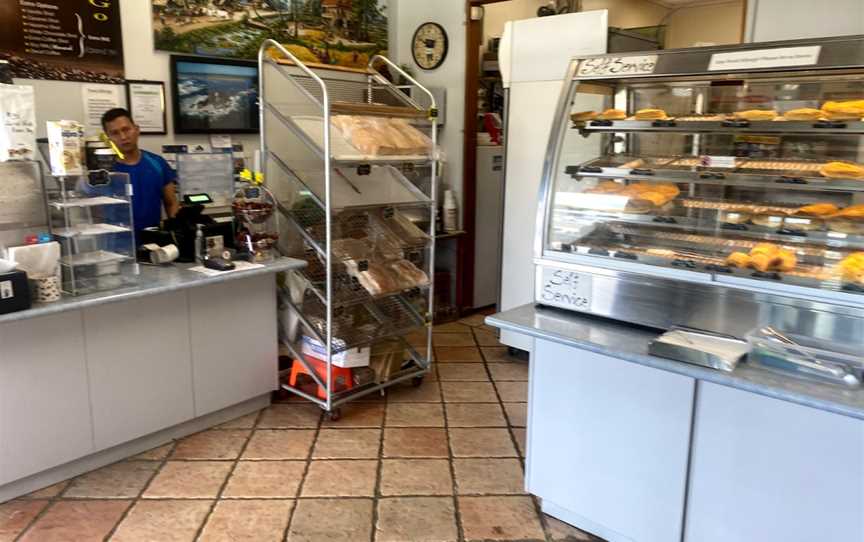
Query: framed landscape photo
{"type": "Point", "coordinates": [146, 101]}
{"type": "Point", "coordinates": [214, 95]}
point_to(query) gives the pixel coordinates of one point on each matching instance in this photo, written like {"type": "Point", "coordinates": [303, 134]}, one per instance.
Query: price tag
{"type": "Point", "coordinates": [567, 289]}
{"type": "Point", "coordinates": [727, 162]}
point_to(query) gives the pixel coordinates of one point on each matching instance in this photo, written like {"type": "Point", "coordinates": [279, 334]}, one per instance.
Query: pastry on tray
{"type": "Point", "coordinates": [650, 114]}
{"type": "Point", "coordinates": [855, 211]}
{"type": "Point", "coordinates": [842, 170]}
{"type": "Point", "coordinates": [740, 260]}
{"type": "Point", "coordinates": [805, 113]}
{"type": "Point", "coordinates": [844, 110]}
{"type": "Point", "coordinates": [612, 114]}
{"type": "Point", "coordinates": [818, 209]}
{"type": "Point", "coordinates": [756, 114]}
{"type": "Point", "coordinates": [584, 116]}
{"type": "Point", "coordinates": [702, 118]}
{"type": "Point", "coordinates": [852, 268]}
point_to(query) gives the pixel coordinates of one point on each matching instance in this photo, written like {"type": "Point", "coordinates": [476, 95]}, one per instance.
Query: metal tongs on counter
{"type": "Point", "coordinates": [801, 360]}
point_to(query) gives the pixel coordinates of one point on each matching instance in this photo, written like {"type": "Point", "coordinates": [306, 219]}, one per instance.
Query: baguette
{"type": "Point", "coordinates": [756, 114]}
{"type": "Point", "coordinates": [584, 116]}
{"type": "Point", "coordinates": [844, 110]}
{"type": "Point", "coordinates": [651, 114]}
{"type": "Point", "coordinates": [805, 113]}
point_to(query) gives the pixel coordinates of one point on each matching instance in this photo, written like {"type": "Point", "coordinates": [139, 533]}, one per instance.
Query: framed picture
{"type": "Point", "coordinates": [146, 101]}
{"type": "Point", "coordinates": [214, 95]}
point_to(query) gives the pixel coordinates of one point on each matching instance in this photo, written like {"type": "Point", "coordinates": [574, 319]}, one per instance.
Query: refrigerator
{"type": "Point", "coordinates": [534, 56]}
{"type": "Point", "coordinates": [489, 215]}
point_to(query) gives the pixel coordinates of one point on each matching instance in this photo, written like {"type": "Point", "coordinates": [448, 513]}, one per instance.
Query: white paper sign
{"type": "Point", "coordinates": [218, 141]}
{"type": "Point", "coordinates": [147, 104]}
{"type": "Point", "coordinates": [97, 100]}
{"type": "Point", "coordinates": [617, 65]}
{"type": "Point", "coordinates": [765, 58]}
{"type": "Point", "coordinates": [567, 289]}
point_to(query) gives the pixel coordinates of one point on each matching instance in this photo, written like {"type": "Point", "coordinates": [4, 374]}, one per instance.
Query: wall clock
{"type": "Point", "coordinates": [430, 45]}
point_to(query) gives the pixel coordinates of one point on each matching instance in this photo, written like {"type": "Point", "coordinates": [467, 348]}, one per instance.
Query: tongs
{"type": "Point", "coordinates": [811, 364]}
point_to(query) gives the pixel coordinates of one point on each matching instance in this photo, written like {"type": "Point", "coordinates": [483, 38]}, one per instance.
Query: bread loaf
{"type": "Point", "coordinates": [842, 170]}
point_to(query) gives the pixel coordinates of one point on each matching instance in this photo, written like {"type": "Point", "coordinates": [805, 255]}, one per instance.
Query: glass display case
{"type": "Point", "coordinates": [91, 217]}
{"type": "Point", "coordinates": [351, 161]}
{"type": "Point", "coordinates": [717, 187]}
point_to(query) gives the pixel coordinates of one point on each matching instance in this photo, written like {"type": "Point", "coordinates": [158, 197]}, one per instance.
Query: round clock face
{"type": "Point", "coordinates": [430, 46]}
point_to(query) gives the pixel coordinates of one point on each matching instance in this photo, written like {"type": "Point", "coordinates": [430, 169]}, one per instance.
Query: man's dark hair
{"type": "Point", "coordinates": [114, 114]}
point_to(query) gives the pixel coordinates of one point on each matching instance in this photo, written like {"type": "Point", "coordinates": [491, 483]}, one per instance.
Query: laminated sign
{"type": "Point", "coordinates": [67, 40]}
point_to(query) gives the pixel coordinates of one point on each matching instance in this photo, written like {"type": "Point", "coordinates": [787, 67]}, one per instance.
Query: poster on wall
{"type": "Point", "coordinates": [336, 32]}
{"type": "Point", "coordinates": [67, 40]}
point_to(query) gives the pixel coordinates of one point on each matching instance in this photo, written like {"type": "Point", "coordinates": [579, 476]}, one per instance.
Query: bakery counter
{"type": "Point", "coordinates": [636, 448]}
{"type": "Point", "coordinates": [93, 379]}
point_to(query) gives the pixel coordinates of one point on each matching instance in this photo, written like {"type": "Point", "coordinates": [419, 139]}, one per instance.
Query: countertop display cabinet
{"type": "Point", "coordinates": [91, 217]}
{"type": "Point", "coordinates": [352, 163]}
{"type": "Point", "coordinates": [724, 189]}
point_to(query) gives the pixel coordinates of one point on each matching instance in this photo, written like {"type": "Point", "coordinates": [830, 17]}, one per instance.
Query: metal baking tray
{"type": "Point", "coordinates": [698, 347]}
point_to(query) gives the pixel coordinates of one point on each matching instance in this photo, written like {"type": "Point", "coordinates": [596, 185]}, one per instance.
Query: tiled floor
{"type": "Point", "coordinates": [442, 462]}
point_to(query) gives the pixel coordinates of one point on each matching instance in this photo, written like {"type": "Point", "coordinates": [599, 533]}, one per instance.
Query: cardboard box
{"type": "Point", "coordinates": [355, 357]}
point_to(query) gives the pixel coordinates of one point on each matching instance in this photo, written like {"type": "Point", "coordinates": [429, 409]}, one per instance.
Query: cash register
{"type": "Point", "coordinates": [182, 230]}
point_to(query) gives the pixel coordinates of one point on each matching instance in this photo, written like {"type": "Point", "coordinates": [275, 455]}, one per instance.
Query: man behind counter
{"type": "Point", "coordinates": [154, 183]}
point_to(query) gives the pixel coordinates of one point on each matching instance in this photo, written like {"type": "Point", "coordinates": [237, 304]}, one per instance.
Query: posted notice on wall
{"type": "Point", "coordinates": [782, 57]}
{"type": "Point", "coordinates": [97, 100]}
{"type": "Point", "coordinates": [147, 104]}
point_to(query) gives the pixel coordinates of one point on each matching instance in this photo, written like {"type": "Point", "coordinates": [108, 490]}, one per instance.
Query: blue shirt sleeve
{"type": "Point", "coordinates": [168, 174]}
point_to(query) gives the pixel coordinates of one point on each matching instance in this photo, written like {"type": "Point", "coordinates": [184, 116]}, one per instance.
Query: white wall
{"type": "Point", "coordinates": [62, 100]}
{"type": "Point", "coordinates": [405, 17]}
{"type": "Point", "coordinates": [770, 20]}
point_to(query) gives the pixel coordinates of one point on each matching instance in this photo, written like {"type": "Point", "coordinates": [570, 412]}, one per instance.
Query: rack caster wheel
{"type": "Point", "coordinates": [417, 381]}
{"type": "Point", "coordinates": [335, 415]}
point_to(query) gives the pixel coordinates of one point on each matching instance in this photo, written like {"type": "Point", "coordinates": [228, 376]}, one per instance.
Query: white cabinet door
{"type": "Point", "coordinates": [140, 367]}
{"type": "Point", "coordinates": [773, 471]}
{"type": "Point", "coordinates": [44, 404]}
{"type": "Point", "coordinates": [609, 442]}
{"type": "Point", "coordinates": [235, 351]}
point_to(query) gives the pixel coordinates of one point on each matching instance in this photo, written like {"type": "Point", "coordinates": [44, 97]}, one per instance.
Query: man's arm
{"type": "Point", "coordinates": [169, 198]}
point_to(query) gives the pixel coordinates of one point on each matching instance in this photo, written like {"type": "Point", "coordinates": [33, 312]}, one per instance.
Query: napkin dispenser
{"type": "Point", "coordinates": [14, 292]}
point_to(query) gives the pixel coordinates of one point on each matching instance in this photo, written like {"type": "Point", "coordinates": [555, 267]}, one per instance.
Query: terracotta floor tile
{"type": "Point", "coordinates": [120, 480]}
{"type": "Point", "coordinates": [468, 392]}
{"type": "Point", "coordinates": [347, 444]}
{"type": "Point", "coordinates": [223, 444]}
{"type": "Point", "coordinates": [341, 478]}
{"type": "Point", "coordinates": [416, 519]}
{"type": "Point", "coordinates": [517, 414]}
{"type": "Point", "coordinates": [499, 518]}
{"type": "Point", "coordinates": [520, 435]}
{"type": "Point", "coordinates": [290, 416]}
{"type": "Point", "coordinates": [415, 415]}
{"type": "Point", "coordinates": [415, 442]}
{"type": "Point", "coordinates": [474, 320]}
{"type": "Point", "coordinates": [563, 532]}
{"type": "Point", "coordinates": [243, 422]}
{"type": "Point", "coordinates": [452, 327]}
{"type": "Point", "coordinates": [155, 454]}
{"type": "Point", "coordinates": [428, 392]}
{"type": "Point", "coordinates": [446, 354]}
{"type": "Point", "coordinates": [165, 521]}
{"type": "Point", "coordinates": [279, 444]}
{"type": "Point", "coordinates": [453, 339]}
{"type": "Point", "coordinates": [357, 414]}
{"type": "Point", "coordinates": [486, 338]}
{"type": "Point", "coordinates": [474, 415]}
{"type": "Point", "coordinates": [496, 353]}
{"type": "Point", "coordinates": [486, 327]}
{"type": "Point", "coordinates": [462, 372]}
{"type": "Point", "coordinates": [512, 392]}
{"type": "Point", "coordinates": [78, 521]}
{"type": "Point", "coordinates": [247, 520]}
{"type": "Point", "coordinates": [15, 516]}
{"type": "Point", "coordinates": [48, 492]}
{"type": "Point", "coordinates": [259, 479]}
{"type": "Point", "coordinates": [481, 443]}
{"type": "Point", "coordinates": [331, 520]}
{"type": "Point", "coordinates": [489, 477]}
{"type": "Point", "coordinates": [416, 477]}
{"type": "Point", "coordinates": [514, 371]}
{"type": "Point", "coordinates": [188, 480]}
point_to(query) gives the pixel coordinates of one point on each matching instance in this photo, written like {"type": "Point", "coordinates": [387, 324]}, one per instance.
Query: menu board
{"type": "Point", "coordinates": [67, 40]}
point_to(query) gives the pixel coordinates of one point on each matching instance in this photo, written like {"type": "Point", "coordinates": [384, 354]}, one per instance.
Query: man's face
{"type": "Point", "coordinates": [124, 133]}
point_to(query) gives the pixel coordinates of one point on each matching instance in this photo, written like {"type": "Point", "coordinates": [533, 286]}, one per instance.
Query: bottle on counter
{"type": "Point", "coordinates": [451, 218]}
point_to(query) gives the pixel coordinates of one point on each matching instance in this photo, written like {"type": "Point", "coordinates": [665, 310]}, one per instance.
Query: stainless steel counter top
{"type": "Point", "coordinates": [630, 343]}
{"type": "Point", "coordinates": [152, 280]}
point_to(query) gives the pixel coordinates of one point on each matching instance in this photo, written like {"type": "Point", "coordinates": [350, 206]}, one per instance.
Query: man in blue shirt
{"type": "Point", "coordinates": [154, 183]}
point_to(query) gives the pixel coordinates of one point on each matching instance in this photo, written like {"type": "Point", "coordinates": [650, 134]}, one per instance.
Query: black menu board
{"type": "Point", "coordinates": [69, 40]}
